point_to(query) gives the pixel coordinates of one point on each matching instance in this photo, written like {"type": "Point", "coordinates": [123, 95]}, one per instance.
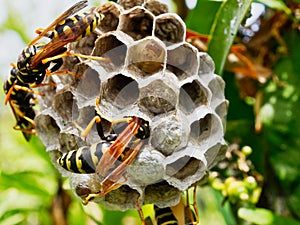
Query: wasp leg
{"type": "Point", "coordinates": [67, 53]}
{"type": "Point", "coordinates": [97, 120]}
{"type": "Point", "coordinates": [86, 131]}
{"type": "Point", "coordinates": [63, 72]}
{"type": "Point", "coordinates": [140, 211]}
{"type": "Point", "coordinates": [192, 215]}
{"type": "Point", "coordinates": [30, 131]}
{"type": "Point", "coordinates": [20, 88]}
{"type": "Point", "coordinates": [111, 182]}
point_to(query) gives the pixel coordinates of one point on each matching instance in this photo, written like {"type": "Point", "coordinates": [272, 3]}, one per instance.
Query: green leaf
{"type": "Point", "coordinates": [256, 215]}
{"type": "Point", "coordinates": [294, 201]}
{"type": "Point", "coordinates": [224, 29]}
{"type": "Point", "coordinates": [201, 18]}
{"type": "Point", "coordinates": [262, 216]}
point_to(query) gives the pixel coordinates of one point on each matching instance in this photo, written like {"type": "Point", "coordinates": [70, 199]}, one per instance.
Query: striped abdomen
{"type": "Point", "coordinates": [89, 19]}
{"type": "Point", "coordinates": [165, 216]}
{"type": "Point", "coordinates": [85, 159]}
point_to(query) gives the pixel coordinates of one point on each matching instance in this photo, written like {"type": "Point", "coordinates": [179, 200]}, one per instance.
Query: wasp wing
{"type": "Point", "coordinates": [111, 181]}
{"type": "Point", "coordinates": [69, 35]}
{"type": "Point", "coordinates": [72, 10]}
{"type": "Point", "coordinates": [109, 158]}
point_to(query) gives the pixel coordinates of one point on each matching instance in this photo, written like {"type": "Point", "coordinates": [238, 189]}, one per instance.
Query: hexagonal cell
{"type": "Point", "coordinates": [111, 12]}
{"type": "Point", "coordinates": [112, 46]}
{"type": "Point", "coordinates": [137, 23]}
{"type": "Point", "coordinates": [182, 61]}
{"type": "Point", "coordinates": [69, 142]}
{"type": "Point", "coordinates": [217, 87]}
{"type": "Point", "coordinates": [207, 131]}
{"type": "Point", "coordinates": [169, 28]}
{"type": "Point", "coordinates": [128, 4]}
{"type": "Point", "coordinates": [206, 67]}
{"type": "Point", "coordinates": [156, 7]}
{"type": "Point", "coordinates": [157, 98]}
{"type": "Point", "coordinates": [215, 154]}
{"type": "Point", "coordinates": [192, 95]}
{"type": "Point", "coordinates": [47, 99]}
{"type": "Point", "coordinates": [47, 130]}
{"type": "Point", "coordinates": [162, 194]}
{"type": "Point", "coordinates": [170, 135]}
{"type": "Point", "coordinates": [120, 90]}
{"type": "Point", "coordinates": [64, 105]}
{"type": "Point", "coordinates": [88, 88]}
{"type": "Point", "coordinates": [123, 198]}
{"type": "Point", "coordinates": [201, 128]}
{"type": "Point", "coordinates": [146, 57]}
{"type": "Point", "coordinates": [183, 167]}
{"type": "Point", "coordinates": [222, 109]}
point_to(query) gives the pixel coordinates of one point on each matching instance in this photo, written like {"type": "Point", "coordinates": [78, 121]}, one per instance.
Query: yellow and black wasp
{"type": "Point", "coordinates": [21, 100]}
{"type": "Point", "coordinates": [35, 59]}
{"type": "Point", "coordinates": [109, 158]}
{"type": "Point", "coordinates": [180, 214]}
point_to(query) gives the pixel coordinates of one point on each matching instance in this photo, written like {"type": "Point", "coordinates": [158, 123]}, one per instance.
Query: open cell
{"type": "Point", "coordinates": [111, 47]}
{"type": "Point", "coordinates": [121, 91]}
{"type": "Point", "coordinates": [192, 95]}
{"type": "Point", "coordinates": [183, 167]}
{"type": "Point", "coordinates": [182, 61]}
{"type": "Point", "coordinates": [64, 105]}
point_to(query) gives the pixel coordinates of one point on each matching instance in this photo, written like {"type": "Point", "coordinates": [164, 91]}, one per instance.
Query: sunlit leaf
{"type": "Point", "coordinates": [256, 215]}
{"type": "Point", "coordinates": [224, 29]}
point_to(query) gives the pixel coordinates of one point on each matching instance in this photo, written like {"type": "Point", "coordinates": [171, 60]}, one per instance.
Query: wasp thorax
{"type": "Point", "coordinates": [153, 75]}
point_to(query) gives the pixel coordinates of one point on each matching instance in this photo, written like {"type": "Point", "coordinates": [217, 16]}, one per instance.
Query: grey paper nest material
{"type": "Point", "coordinates": [153, 74]}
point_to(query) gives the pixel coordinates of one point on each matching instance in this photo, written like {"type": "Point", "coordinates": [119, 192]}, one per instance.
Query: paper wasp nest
{"type": "Point", "coordinates": [153, 74]}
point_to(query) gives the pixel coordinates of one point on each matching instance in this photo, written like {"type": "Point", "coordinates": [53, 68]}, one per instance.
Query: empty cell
{"type": "Point", "coordinates": [109, 46]}
{"type": "Point", "coordinates": [65, 106]}
{"type": "Point", "coordinates": [201, 129]}
{"type": "Point", "coordinates": [192, 95]}
{"type": "Point", "coordinates": [89, 85]}
{"type": "Point", "coordinates": [182, 61]}
{"type": "Point", "coordinates": [120, 90]}
{"type": "Point", "coordinates": [183, 167]}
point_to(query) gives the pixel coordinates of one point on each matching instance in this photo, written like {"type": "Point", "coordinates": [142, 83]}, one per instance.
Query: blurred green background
{"type": "Point", "coordinates": [263, 114]}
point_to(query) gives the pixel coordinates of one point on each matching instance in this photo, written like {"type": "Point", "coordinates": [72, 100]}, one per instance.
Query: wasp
{"type": "Point", "coordinates": [35, 59]}
{"type": "Point", "coordinates": [180, 214]}
{"type": "Point", "coordinates": [109, 158]}
{"type": "Point", "coordinates": [22, 100]}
